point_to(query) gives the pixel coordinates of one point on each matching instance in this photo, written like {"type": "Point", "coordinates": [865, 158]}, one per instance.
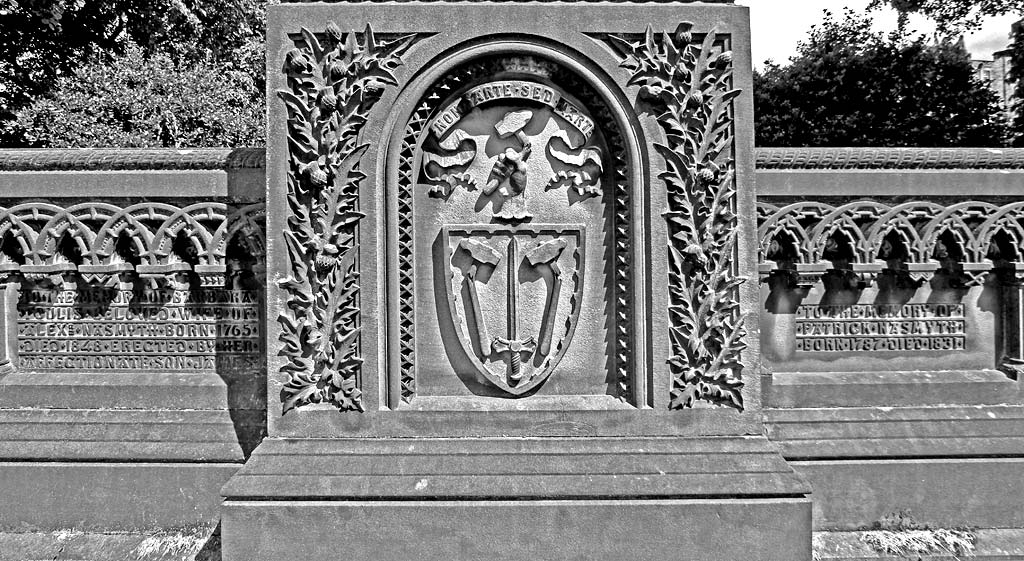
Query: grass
{"type": "Point", "coordinates": [899, 535]}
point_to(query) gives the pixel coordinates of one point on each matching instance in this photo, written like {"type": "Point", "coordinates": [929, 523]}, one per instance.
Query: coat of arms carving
{"type": "Point", "coordinates": [510, 163]}
{"type": "Point", "coordinates": [514, 294]}
{"type": "Point", "coordinates": [505, 138]}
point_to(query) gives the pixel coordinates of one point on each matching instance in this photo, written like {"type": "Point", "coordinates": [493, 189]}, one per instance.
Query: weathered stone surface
{"type": "Point", "coordinates": [898, 432]}
{"type": "Point", "coordinates": [132, 357]}
{"type": "Point", "coordinates": [198, 543]}
{"type": "Point", "coordinates": [594, 362]}
{"type": "Point", "coordinates": [555, 468]}
{"type": "Point", "coordinates": [991, 544]}
{"type": "Point", "coordinates": [509, 249]}
{"type": "Point", "coordinates": [110, 495]}
{"type": "Point", "coordinates": [713, 529]}
{"type": "Point", "coordinates": [945, 492]}
{"type": "Point", "coordinates": [890, 389]}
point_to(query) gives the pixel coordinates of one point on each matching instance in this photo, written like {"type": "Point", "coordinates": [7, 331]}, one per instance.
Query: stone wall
{"type": "Point", "coordinates": [133, 374]}
{"type": "Point", "coordinates": [133, 379]}
{"type": "Point", "coordinates": [891, 283]}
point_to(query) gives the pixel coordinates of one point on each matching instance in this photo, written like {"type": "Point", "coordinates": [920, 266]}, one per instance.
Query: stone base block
{"type": "Point", "coordinates": [955, 431]}
{"type": "Point", "coordinates": [110, 496]}
{"type": "Point", "coordinates": [891, 389]}
{"type": "Point", "coordinates": [944, 492]}
{"type": "Point", "coordinates": [517, 499]}
{"type": "Point", "coordinates": [500, 530]}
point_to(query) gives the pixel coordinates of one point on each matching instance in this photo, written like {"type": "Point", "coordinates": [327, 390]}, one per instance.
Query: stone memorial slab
{"type": "Point", "coordinates": [132, 335]}
{"type": "Point", "coordinates": [508, 289]}
{"type": "Point", "coordinates": [874, 287]}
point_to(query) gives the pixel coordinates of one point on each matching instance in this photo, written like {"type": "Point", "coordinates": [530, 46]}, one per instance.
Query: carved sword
{"type": "Point", "coordinates": [512, 345]}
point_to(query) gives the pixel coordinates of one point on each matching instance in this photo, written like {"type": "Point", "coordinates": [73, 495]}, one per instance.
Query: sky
{"type": "Point", "coordinates": [778, 25]}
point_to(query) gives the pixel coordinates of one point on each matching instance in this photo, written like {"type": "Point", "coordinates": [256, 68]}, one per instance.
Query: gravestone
{"type": "Point", "coordinates": [881, 295]}
{"type": "Point", "coordinates": [132, 335]}
{"type": "Point", "coordinates": [509, 314]}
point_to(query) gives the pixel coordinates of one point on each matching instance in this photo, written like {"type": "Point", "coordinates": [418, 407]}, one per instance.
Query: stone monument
{"type": "Point", "coordinates": [510, 313]}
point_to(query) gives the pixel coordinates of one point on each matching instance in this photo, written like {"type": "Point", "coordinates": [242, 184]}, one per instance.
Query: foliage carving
{"type": "Point", "coordinates": [689, 83]}
{"type": "Point", "coordinates": [334, 80]}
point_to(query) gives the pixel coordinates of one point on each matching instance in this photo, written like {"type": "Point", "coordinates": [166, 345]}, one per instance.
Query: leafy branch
{"type": "Point", "coordinates": [334, 79]}
{"type": "Point", "coordinates": [689, 84]}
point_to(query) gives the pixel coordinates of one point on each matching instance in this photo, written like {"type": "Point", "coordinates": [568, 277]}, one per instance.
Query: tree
{"type": "Point", "coordinates": [851, 86]}
{"type": "Point", "coordinates": [44, 41]}
{"type": "Point", "coordinates": [136, 100]}
{"type": "Point", "coordinates": [1016, 77]}
{"type": "Point", "coordinates": [953, 16]}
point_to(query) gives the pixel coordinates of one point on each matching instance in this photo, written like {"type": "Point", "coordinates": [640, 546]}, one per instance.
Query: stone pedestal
{"type": "Point", "coordinates": [128, 352]}
{"type": "Point", "coordinates": [511, 310]}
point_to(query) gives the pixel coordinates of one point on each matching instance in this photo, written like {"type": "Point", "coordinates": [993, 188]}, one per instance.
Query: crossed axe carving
{"type": "Point", "coordinates": [545, 254]}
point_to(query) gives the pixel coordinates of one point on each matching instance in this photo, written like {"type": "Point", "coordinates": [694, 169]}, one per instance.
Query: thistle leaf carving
{"type": "Point", "coordinates": [334, 79]}
{"type": "Point", "coordinates": [688, 84]}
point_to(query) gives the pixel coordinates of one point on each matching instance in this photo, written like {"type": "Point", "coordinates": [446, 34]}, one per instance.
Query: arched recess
{"type": "Point", "coordinates": [426, 94]}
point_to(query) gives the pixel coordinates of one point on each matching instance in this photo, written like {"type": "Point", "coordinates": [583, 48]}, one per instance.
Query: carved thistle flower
{"type": "Point", "coordinates": [327, 257]}
{"type": "Point", "coordinates": [316, 174]}
{"type": "Point", "coordinates": [326, 100]}
{"type": "Point", "coordinates": [683, 35]}
{"type": "Point", "coordinates": [296, 63]}
{"type": "Point", "coordinates": [333, 35]}
{"type": "Point", "coordinates": [339, 69]}
{"type": "Point", "coordinates": [707, 176]}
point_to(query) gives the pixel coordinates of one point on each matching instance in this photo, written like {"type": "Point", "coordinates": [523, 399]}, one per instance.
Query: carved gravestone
{"type": "Point", "coordinates": [509, 252]}
{"type": "Point", "coordinates": [877, 291]}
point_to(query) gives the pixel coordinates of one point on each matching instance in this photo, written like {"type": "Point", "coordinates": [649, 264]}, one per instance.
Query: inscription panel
{"type": "Point", "coordinates": [889, 328]}
{"type": "Point", "coordinates": [881, 328]}
{"type": "Point", "coordinates": [166, 330]}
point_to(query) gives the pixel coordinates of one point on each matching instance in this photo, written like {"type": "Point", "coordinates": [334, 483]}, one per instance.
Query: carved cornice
{"type": "Point", "coordinates": [889, 158]}
{"type": "Point", "coordinates": [914, 240]}
{"type": "Point", "coordinates": [512, 1]}
{"type": "Point", "coordinates": [42, 241]}
{"type": "Point", "coordinates": [108, 159]}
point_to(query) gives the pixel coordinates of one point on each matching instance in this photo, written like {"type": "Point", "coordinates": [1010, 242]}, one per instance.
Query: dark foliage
{"type": "Point", "coordinates": [851, 86]}
{"type": "Point", "coordinates": [139, 101]}
{"type": "Point", "coordinates": [1016, 77]}
{"type": "Point", "coordinates": [952, 16]}
{"type": "Point", "coordinates": [46, 45]}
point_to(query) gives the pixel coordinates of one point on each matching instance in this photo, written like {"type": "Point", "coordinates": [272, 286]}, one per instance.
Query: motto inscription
{"type": "Point", "coordinates": [203, 329]}
{"type": "Point", "coordinates": [866, 327]}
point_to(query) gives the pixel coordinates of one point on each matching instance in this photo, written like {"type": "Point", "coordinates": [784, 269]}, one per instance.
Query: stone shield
{"type": "Point", "coordinates": [514, 296]}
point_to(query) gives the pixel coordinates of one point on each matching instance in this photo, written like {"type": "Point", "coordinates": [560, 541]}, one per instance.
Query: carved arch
{"type": "Point", "coordinates": [792, 221]}
{"type": "Point", "coordinates": [17, 221]}
{"type": "Point", "coordinates": [619, 127]}
{"type": "Point", "coordinates": [75, 222]}
{"type": "Point", "coordinates": [140, 222]}
{"type": "Point", "coordinates": [907, 221]}
{"type": "Point", "coordinates": [846, 222]}
{"type": "Point", "coordinates": [189, 221]}
{"type": "Point", "coordinates": [953, 222]}
{"type": "Point", "coordinates": [1009, 220]}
